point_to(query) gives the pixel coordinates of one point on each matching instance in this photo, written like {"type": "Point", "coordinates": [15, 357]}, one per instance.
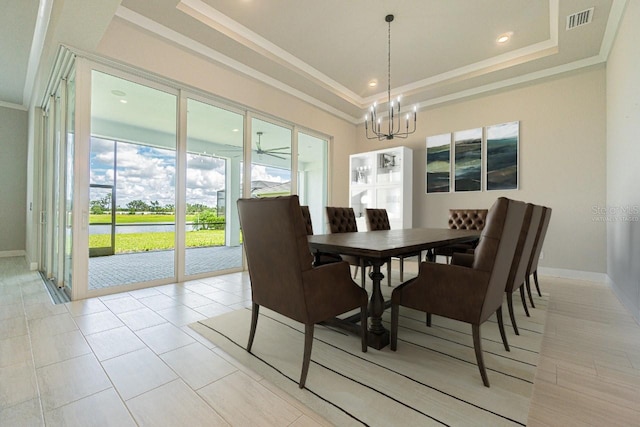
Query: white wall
{"type": "Point", "coordinates": [623, 157]}
{"type": "Point", "coordinates": [562, 161]}
{"type": "Point", "coordinates": [13, 176]}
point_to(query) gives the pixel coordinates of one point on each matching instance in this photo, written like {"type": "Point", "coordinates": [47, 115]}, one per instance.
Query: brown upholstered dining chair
{"type": "Point", "coordinates": [343, 220]}
{"type": "Point", "coordinates": [282, 276]}
{"type": "Point", "coordinates": [535, 255]}
{"type": "Point", "coordinates": [521, 258]}
{"type": "Point", "coordinates": [378, 219]}
{"type": "Point", "coordinates": [463, 219]}
{"type": "Point", "coordinates": [468, 294]}
{"type": "Point", "coordinates": [320, 258]}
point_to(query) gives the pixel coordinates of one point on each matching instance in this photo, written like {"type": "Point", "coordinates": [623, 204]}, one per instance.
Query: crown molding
{"type": "Point", "coordinates": [13, 106]}
{"type": "Point", "coordinates": [613, 23]}
{"type": "Point", "coordinates": [211, 17]}
{"type": "Point", "coordinates": [188, 43]}
{"type": "Point", "coordinates": [37, 45]}
{"type": "Point", "coordinates": [224, 24]}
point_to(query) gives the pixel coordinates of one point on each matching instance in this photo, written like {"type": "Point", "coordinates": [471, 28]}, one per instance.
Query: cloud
{"type": "Point", "coordinates": [148, 173]}
{"type": "Point", "coordinates": [266, 173]}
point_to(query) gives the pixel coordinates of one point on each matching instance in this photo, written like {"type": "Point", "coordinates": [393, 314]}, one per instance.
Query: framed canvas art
{"type": "Point", "coordinates": [468, 160]}
{"type": "Point", "coordinates": [502, 156]}
{"type": "Point", "coordinates": [439, 163]}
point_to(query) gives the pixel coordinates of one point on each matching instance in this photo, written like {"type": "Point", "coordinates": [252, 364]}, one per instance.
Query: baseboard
{"type": "Point", "coordinates": [7, 254]}
{"type": "Point", "coordinates": [574, 274]}
{"type": "Point", "coordinates": [33, 266]}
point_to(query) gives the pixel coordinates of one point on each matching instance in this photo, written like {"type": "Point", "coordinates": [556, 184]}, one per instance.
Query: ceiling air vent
{"type": "Point", "coordinates": [579, 19]}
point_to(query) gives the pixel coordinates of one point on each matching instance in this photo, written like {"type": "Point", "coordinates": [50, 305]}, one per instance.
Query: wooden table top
{"type": "Point", "coordinates": [383, 244]}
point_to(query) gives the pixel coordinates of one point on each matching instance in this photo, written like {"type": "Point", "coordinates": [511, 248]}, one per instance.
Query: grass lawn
{"type": "Point", "coordinates": [141, 242]}
{"type": "Point", "coordinates": [134, 219]}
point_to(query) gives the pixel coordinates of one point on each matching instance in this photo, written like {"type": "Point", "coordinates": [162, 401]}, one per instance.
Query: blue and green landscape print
{"type": "Point", "coordinates": [438, 163]}
{"type": "Point", "coordinates": [468, 160]}
{"type": "Point", "coordinates": [502, 156]}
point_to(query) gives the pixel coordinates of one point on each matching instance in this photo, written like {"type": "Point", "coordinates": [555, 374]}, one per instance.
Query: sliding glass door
{"type": "Point", "coordinates": [56, 186]}
{"type": "Point", "coordinates": [140, 179]}
{"type": "Point", "coordinates": [214, 157]}
{"type": "Point", "coordinates": [132, 181]}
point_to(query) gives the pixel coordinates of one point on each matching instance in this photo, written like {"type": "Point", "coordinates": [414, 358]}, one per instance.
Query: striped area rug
{"type": "Point", "coordinates": [432, 379]}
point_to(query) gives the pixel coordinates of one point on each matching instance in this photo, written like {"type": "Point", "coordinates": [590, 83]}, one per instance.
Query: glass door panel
{"type": "Point", "coordinates": [56, 248]}
{"type": "Point", "coordinates": [214, 165]}
{"type": "Point", "coordinates": [389, 170]}
{"type": "Point", "coordinates": [312, 177]}
{"type": "Point", "coordinates": [69, 172]}
{"type": "Point", "coordinates": [270, 159]}
{"type": "Point", "coordinates": [361, 199]}
{"type": "Point", "coordinates": [102, 225]}
{"type": "Point", "coordinates": [133, 149]}
{"type": "Point", "coordinates": [390, 198]}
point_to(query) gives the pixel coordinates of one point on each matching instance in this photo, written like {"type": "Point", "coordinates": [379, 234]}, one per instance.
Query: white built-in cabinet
{"type": "Point", "coordinates": [382, 179]}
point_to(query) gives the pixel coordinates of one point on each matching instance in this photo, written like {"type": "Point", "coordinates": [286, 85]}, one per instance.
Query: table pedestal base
{"type": "Point", "coordinates": [378, 341]}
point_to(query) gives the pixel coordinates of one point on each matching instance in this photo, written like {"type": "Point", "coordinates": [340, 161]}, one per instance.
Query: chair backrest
{"type": "Point", "coordinates": [496, 248]}
{"type": "Point", "coordinates": [277, 250]}
{"type": "Point", "coordinates": [306, 215]}
{"type": "Point", "coordinates": [341, 220]}
{"type": "Point", "coordinates": [542, 232]}
{"type": "Point", "coordinates": [467, 219]}
{"type": "Point", "coordinates": [525, 247]}
{"type": "Point", "coordinates": [377, 219]}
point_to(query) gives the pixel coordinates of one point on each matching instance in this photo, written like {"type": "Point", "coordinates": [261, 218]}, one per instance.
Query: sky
{"type": "Point", "coordinates": [148, 173]}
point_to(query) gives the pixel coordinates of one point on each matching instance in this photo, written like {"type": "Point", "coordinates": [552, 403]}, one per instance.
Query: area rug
{"type": "Point", "coordinates": [432, 378]}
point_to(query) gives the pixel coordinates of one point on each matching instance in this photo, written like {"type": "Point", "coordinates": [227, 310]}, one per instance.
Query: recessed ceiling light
{"type": "Point", "coordinates": [118, 93]}
{"type": "Point", "coordinates": [235, 130]}
{"type": "Point", "coordinates": [124, 101]}
{"type": "Point", "coordinates": [373, 83]}
{"type": "Point", "coordinates": [503, 38]}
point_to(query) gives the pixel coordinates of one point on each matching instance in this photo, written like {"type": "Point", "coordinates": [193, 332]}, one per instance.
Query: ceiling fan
{"type": "Point", "coordinates": [274, 152]}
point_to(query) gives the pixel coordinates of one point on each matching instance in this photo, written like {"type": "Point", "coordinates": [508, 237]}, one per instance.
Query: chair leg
{"type": "Point", "coordinates": [401, 270]}
{"type": "Point", "coordinates": [501, 326]}
{"type": "Point", "coordinates": [389, 273]}
{"type": "Point", "coordinates": [365, 326]}
{"type": "Point", "coordinates": [524, 301]}
{"type": "Point", "coordinates": [511, 315]}
{"type": "Point", "coordinates": [528, 284]}
{"type": "Point", "coordinates": [395, 314]}
{"type": "Point", "coordinates": [477, 345]}
{"type": "Point", "coordinates": [535, 278]}
{"type": "Point", "coordinates": [308, 343]}
{"type": "Point", "coordinates": [355, 273]}
{"type": "Point", "coordinates": [255, 308]}
{"type": "Point", "coordinates": [428, 322]}
{"type": "Point", "coordinates": [364, 273]}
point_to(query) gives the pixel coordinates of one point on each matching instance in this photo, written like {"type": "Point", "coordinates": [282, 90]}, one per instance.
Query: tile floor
{"type": "Point", "coordinates": [130, 359]}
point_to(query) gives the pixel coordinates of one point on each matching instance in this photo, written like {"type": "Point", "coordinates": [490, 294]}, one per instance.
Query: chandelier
{"type": "Point", "coordinates": [394, 119]}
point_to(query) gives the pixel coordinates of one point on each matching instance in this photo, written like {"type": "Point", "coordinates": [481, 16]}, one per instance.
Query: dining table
{"type": "Point", "coordinates": [376, 248]}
